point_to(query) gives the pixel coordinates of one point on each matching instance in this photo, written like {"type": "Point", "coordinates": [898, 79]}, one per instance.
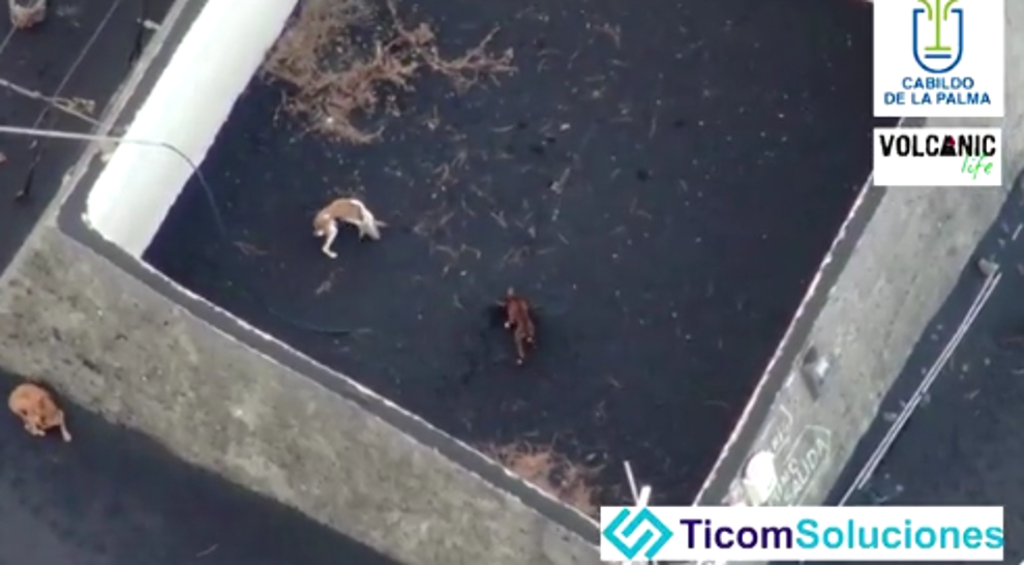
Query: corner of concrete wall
{"type": "Point", "coordinates": [198, 85]}
{"type": "Point", "coordinates": [904, 267]}
{"type": "Point", "coordinates": [117, 347]}
{"type": "Point", "coordinates": [905, 264]}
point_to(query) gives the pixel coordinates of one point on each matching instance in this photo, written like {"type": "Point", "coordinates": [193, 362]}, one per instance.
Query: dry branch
{"type": "Point", "coordinates": [332, 81]}
{"type": "Point", "coordinates": [552, 472]}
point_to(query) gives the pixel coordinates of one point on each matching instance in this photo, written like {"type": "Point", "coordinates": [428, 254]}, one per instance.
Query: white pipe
{"type": "Point", "coordinates": [631, 480]}
{"type": "Point", "coordinates": [191, 100]}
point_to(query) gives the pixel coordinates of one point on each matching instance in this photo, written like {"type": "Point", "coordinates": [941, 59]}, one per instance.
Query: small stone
{"type": "Point", "coordinates": [27, 13]}
{"type": "Point", "coordinates": [987, 266]}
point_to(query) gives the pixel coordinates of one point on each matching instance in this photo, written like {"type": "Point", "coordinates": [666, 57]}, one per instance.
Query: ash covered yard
{"type": "Point", "coordinates": [660, 180]}
{"type": "Point", "coordinates": [113, 496]}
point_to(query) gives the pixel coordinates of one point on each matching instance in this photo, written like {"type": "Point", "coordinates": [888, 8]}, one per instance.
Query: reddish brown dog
{"type": "Point", "coordinates": [37, 409]}
{"type": "Point", "coordinates": [517, 318]}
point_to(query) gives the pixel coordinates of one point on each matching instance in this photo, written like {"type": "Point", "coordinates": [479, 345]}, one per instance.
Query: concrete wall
{"type": "Point", "coordinates": [868, 320]}
{"type": "Point", "coordinates": [212, 65]}
{"type": "Point", "coordinates": [874, 315]}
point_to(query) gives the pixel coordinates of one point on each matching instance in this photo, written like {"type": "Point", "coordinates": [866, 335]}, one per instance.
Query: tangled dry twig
{"type": "Point", "coordinates": [552, 472]}
{"type": "Point", "coordinates": [332, 81]}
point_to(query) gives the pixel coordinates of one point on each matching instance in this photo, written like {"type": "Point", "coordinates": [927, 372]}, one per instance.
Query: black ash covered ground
{"type": "Point", "coordinates": [662, 180]}
{"type": "Point", "coordinates": [112, 497]}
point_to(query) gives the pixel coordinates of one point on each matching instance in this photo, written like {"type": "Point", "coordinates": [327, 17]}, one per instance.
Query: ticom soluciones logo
{"type": "Point", "coordinates": [627, 523]}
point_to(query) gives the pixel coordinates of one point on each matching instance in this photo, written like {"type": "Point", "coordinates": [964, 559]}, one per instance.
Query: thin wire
{"type": "Point", "coordinates": [81, 56]}
{"type": "Point", "coordinates": [868, 471]}
{"type": "Point", "coordinates": [7, 38]}
{"type": "Point", "coordinates": [53, 100]}
{"type": "Point", "coordinates": [100, 138]}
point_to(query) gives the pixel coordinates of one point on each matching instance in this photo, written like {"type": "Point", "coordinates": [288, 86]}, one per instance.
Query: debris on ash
{"type": "Point", "coordinates": [333, 80]}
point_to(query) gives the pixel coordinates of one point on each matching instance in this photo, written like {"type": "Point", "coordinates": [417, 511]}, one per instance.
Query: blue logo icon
{"type": "Point", "coordinates": [641, 518]}
{"type": "Point", "coordinates": [934, 26]}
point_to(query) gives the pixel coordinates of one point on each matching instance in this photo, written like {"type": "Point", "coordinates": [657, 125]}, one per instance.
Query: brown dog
{"type": "Point", "coordinates": [517, 318]}
{"type": "Point", "coordinates": [36, 407]}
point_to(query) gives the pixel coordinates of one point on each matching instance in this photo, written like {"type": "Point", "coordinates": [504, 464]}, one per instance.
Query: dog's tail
{"type": "Point", "coordinates": [64, 433]}
{"type": "Point", "coordinates": [370, 224]}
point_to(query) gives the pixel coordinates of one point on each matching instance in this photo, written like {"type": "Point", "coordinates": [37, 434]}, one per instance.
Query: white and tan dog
{"type": "Point", "coordinates": [350, 211]}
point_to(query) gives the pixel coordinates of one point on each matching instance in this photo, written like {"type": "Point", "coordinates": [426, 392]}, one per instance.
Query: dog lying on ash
{"type": "Point", "coordinates": [518, 319]}
{"type": "Point", "coordinates": [350, 211]}
{"type": "Point", "coordinates": [37, 409]}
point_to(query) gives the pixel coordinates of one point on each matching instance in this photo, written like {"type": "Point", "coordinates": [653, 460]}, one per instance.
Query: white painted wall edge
{"type": "Point", "coordinates": [189, 103]}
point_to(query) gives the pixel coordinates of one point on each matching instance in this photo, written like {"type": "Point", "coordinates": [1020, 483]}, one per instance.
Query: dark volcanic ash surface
{"type": "Point", "coordinates": [661, 179]}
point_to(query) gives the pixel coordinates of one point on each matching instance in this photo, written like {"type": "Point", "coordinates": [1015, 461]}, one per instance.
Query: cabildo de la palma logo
{"type": "Point", "coordinates": [939, 58]}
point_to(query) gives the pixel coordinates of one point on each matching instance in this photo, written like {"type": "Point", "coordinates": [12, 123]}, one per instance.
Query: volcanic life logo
{"type": "Point", "coordinates": [939, 58]}
{"type": "Point", "coordinates": [932, 157]}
